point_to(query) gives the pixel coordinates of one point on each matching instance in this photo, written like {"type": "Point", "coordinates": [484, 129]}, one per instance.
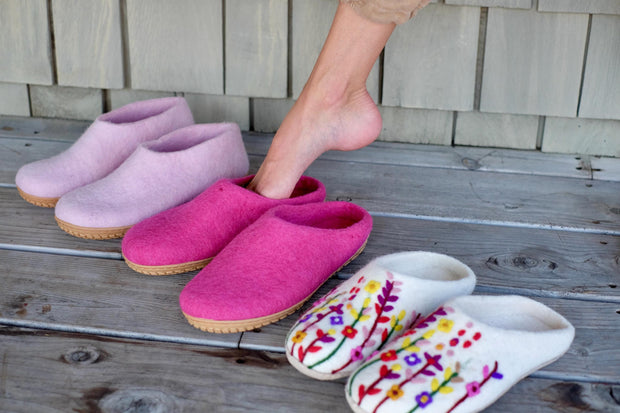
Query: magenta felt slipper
{"type": "Point", "coordinates": [461, 358]}
{"type": "Point", "coordinates": [106, 144]}
{"type": "Point", "coordinates": [382, 300]}
{"type": "Point", "coordinates": [187, 237]}
{"type": "Point", "coordinates": [159, 175]}
{"type": "Point", "coordinates": [272, 267]}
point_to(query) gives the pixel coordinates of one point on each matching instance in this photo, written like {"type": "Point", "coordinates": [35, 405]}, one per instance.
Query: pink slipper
{"type": "Point", "coordinates": [461, 358]}
{"type": "Point", "coordinates": [106, 144]}
{"type": "Point", "coordinates": [187, 237]}
{"type": "Point", "coordinates": [378, 303]}
{"type": "Point", "coordinates": [159, 175]}
{"type": "Point", "coordinates": [271, 268]}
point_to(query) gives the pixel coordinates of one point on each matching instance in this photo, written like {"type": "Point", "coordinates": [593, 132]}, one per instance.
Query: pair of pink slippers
{"type": "Point", "coordinates": [406, 332]}
{"type": "Point", "coordinates": [132, 163]}
{"type": "Point", "coordinates": [265, 257]}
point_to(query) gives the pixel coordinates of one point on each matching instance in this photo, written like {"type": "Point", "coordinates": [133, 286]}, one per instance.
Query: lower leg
{"type": "Point", "coordinates": [334, 110]}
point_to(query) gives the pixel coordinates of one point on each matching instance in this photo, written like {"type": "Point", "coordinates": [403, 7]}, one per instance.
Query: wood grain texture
{"type": "Point", "coordinates": [268, 114]}
{"type": "Point", "coordinates": [421, 57]}
{"type": "Point", "coordinates": [97, 295]}
{"type": "Point", "coordinates": [217, 108]}
{"type": "Point", "coordinates": [15, 100]}
{"type": "Point", "coordinates": [176, 46]}
{"type": "Point", "coordinates": [518, 4]}
{"type": "Point", "coordinates": [66, 102]}
{"type": "Point", "coordinates": [25, 43]}
{"type": "Point", "coordinates": [580, 6]}
{"type": "Point", "coordinates": [496, 130]}
{"type": "Point", "coordinates": [50, 370]}
{"type": "Point", "coordinates": [582, 136]}
{"type": "Point", "coordinates": [416, 125]}
{"type": "Point", "coordinates": [122, 97]}
{"type": "Point", "coordinates": [256, 48]}
{"type": "Point", "coordinates": [523, 52]}
{"type": "Point", "coordinates": [600, 97]}
{"type": "Point", "coordinates": [87, 40]}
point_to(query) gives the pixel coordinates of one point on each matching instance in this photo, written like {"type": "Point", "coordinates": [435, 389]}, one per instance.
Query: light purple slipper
{"type": "Point", "coordinates": [187, 237]}
{"type": "Point", "coordinates": [160, 174]}
{"type": "Point", "coordinates": [461, 358]}
{"type": "Point", "coordinates": [272, 267]}
{"type": "Point", "coordinates": [106, 144]}
{"type": "Point", "coordinates": [382, 300]}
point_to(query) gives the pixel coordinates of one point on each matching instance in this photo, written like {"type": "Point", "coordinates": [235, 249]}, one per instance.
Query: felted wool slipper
{"type": "Point", "coordinates": [461, 358]}
{"type": "Point", "coordinates": [159, 175]}
{"type": "Point", "coordinates": [187, 237]}
{"type": "Point", "coordinates": [109, 140]}
{"type": "Point", "coordinates": [272, 267]}
{"type": "Point", "coordinates": [380, 302]}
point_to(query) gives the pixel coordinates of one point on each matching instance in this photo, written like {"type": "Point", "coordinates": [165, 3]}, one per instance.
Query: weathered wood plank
{"type": "Point", "coordinates": [580, 6]}
{"type": "Point", "coordinates": [188, 58]}
{"type": "Point", "coordinates": [593, 355]}
{"type": "Point", "coordinates": [15, 100]}
{"type": "Point", "coordinates": [607, 169]}
{"type": "Point", "coordinates": [121, 97]}
{"type": "Point", "coordinates": [416, 125]}
{"type": "Point", "coordinates": [585, 136]}
{"type": "Point", "coordinates": [87, 40]}
{"type": "Point", "coordinates": [256, 48]}
{"type": "Point", "coordinates": [31, 128]}
{"type": "Point", "coordinates": [420, 58]}
{"type": "Point", "coordinates": [100, 296]}
{"type": "Point", "coordinates": [496, 130]}
{"type": "Point", "coordinates": [66, 102]}
{"type": "Point", "coordinates": [523, 50]}
{"type": "Point", "coordinates": [600, 97]}
{"type": "Point", "coordinates": [49, 370]}
{"type": "Point", "coordinates": [216, 108]}
{"type": "Point", "coordinates": [268, 114]}
{"type": "Point", "coordinates": [25, 43]}
{"type": "Point", "coordinates": [311, 21]}
{"type": "Point", "coordinates": [518, 4]}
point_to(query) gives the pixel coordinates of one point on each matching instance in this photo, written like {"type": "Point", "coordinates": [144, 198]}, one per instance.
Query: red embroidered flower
{"type": "Point", "coordinates": [389, 355]}
{"type": "Point", "coordinates": [349, 332]}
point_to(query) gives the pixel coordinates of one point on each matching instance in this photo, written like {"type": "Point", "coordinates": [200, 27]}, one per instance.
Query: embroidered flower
{"type": "Point", "coordinates": [372, 286]}
{"type": "Point", "coordinates": [336, 320]}
{"type": "Point", "coordinates": [395, 392]}
{"type": "Point", "coordinates": [389, 355]}
{"type": "Point", "coordinates": [305, 318]}
{"type": "Point", "coordinates": [423, 399]}
{"type": "Point", "coordinates": [412, 359]}
{"type": "Point", "coordinates": [445, 325]}
{"type": "Point", "coordinates": [433, 361]}
{"type": "Point", "coordinates": [473, 389]}
{"type": "Point", "coordinates": [357, 354]}
{"type": "Point", "coordinates": [299, 337]}
{"type": "Point", "coordinates": [336, 308]}
{"type": "Point", "coordinates": [349, 332]}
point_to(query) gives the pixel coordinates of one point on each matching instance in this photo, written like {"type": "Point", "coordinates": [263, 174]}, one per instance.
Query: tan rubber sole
{"type": "Point", "coordinates": [92, 233]}
{"type": "Point", "coordinates": [168, 269]}
{"type": "Point", "coordinates": [238, 326]}
{"type": "Point", "coordinates": [38, 200]}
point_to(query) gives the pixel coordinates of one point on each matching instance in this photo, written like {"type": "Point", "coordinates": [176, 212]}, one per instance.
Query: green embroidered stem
{"type": "Point", "coordinates": [443, 384]}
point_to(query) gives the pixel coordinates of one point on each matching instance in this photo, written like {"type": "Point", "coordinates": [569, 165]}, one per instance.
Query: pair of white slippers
{"type": "Point", "coordinates": [411, 338]}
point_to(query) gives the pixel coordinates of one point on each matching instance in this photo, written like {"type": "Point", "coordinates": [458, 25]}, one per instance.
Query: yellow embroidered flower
{"type": "Point", "coordinates": [331, 332]}
{"type": "Point", "coordinates": [445, 325]}
{"type": "Point", "coordinates": [395, 392]}
{"type": "Point", "coordinates": [299, 337]}
{"type": "Point", "coordinates": [396, 367]}
{"type": "Point", "coordinates": [372, 286]}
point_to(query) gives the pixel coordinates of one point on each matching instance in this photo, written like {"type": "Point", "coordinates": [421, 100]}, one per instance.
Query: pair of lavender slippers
{"type": "Point", "coordinates": [406, 332]}
{"type": "Point", "coordinates": [131, 163]}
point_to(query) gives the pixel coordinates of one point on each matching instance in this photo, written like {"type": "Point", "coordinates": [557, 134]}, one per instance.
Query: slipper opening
{"type": "Point", "coordinates": [137, 111]}
{"type": "Point", "coordinates": [426, 265]}
{"type": "Point", "coordinates": [188, 137]}
{"type": "Point", "coordinates": [329, 216]}
{"type": "Point", "coordinates": [305, 185]}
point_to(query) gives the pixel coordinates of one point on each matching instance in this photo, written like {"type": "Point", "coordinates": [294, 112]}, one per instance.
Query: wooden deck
{"type": "Point", "coordinates": [80, 331]}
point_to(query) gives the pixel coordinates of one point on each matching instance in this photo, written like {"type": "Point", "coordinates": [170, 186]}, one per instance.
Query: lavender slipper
{"type": "Point", "coordinates": [377, 304]}
{"type": "Point", "coordinates": [159, 175]}
{"type": "Point", "coordinates": [106, 144]}
{"type": "Point", "coordinates": [461, 358]}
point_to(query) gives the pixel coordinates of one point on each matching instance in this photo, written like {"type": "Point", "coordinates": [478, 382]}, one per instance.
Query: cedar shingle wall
{"type": "Point", "coordinates": [508, 73]}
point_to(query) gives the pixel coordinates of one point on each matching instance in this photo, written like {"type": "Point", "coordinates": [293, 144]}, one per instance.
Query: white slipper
{"type": "Point", "coordinates": [462, 358]}
{"type": "Point", "coordinates": [380, 302]}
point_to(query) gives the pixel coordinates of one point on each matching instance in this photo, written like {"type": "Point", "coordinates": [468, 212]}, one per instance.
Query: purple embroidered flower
{"type": "Point", "coordinates": [336, 320]}
{"type": "Point", "coordinates": [412, 359]}
{"type": "Point", "coordinates": [423, 399]}
{"type": "Point", "coordinates": [356, 354]}
{"type": "Point", "coordinates": [433, 361]}
{"type": "Point", "coordinates": [336, 308]}
{"type": "Point", "coordinates": [473, 389]}
{"type": "Point", "coordinates": [305, 318]}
